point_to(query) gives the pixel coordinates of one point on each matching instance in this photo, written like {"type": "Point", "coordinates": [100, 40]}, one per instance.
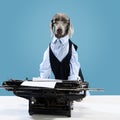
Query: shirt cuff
{"type": "Point", "coordinates": [74, 77]}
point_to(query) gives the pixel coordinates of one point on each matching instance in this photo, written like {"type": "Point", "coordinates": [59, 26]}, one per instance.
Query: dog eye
{"type": "Point", "coordinates": [55, 22]}
{"type": "Point", "coordinates": [65, 21]}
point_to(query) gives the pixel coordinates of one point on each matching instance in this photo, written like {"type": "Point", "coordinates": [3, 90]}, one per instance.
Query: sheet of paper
{"type": "Point", "coordinates": [39, 84]}
{"type": "Point", "coordinates": [38, 79]}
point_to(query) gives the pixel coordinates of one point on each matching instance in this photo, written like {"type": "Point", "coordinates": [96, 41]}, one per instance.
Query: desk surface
{"type": "Point", "coordinates": [91, 108]}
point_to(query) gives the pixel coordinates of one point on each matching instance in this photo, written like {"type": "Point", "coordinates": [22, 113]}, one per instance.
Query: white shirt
{"type": "Point", "coordinates": [60, 49]}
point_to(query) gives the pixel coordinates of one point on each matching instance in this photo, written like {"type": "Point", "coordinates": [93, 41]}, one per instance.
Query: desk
{"type": "Point", "coordinates": [91, 108]}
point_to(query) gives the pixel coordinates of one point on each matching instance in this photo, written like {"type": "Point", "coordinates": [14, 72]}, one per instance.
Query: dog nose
{"type": "Point", "coordinates": [59, 30]}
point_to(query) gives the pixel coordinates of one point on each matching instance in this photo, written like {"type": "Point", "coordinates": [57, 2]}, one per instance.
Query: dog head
{"type": "Point", "coordinates": [61, 25]}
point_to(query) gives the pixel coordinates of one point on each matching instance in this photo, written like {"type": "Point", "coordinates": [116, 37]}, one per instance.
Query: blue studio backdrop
{"type": "Point", "coordinates": [25, 35]}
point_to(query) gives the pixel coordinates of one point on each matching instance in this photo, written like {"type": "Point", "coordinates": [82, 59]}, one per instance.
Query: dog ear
{"type": "Point", "coordinates": [51, 28]}
{"type": "Point", "coordinates": [71, 30]}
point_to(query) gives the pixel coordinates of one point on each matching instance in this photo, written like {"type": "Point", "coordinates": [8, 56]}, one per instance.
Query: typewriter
{"type": "Point", "coordinates": [48, 96]}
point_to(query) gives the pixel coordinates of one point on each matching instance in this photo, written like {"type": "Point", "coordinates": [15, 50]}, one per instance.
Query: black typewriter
{"type": "Point", "coordinates": [57, 100]}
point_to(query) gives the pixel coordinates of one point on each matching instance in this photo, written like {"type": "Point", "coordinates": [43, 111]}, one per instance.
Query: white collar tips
{"type": "Point", "coordinates": [63, 40]}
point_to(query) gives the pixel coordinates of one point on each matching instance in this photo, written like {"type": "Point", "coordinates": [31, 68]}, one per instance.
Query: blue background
{"type": "Point", "coordinates": [24, 36]}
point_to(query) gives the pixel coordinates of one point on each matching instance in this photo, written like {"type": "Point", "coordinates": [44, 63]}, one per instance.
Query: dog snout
{"type": "Point", "coordinates": [59, 30]}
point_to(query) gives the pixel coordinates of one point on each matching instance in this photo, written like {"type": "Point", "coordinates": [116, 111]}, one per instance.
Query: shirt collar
{"type": "Point", "coordinates": [63, 39]}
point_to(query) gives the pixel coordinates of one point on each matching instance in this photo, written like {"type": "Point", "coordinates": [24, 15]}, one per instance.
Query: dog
{"type": "Point", "coordinates": [61, 25]}
{"type": "Point", "coordinates": [61, 56]}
